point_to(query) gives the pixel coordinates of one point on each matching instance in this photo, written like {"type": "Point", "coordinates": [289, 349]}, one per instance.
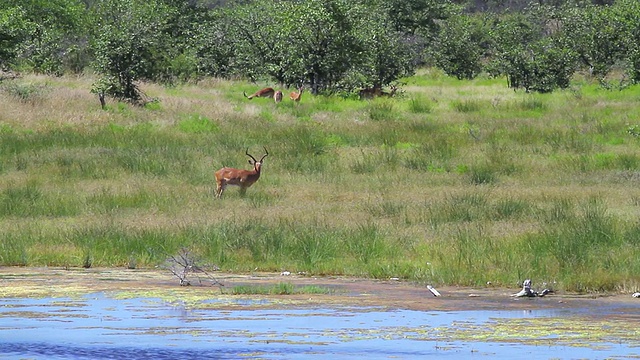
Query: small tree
{"type": "Point", "coordinates": [213, 46]}
{"type": "Point", "coordinates": [327, 44]}
{"type": "Point", "coordinates": [629, 15]}
{"type": "Point", "coordinates": [310, 42]}
{"type": "Point", "coordinates": [130, 45]}
{"type": "Point", "coordinates": [56, 27]}
{"type": "Point", "coordinates": [531, 53]}
{"type": "Point", "coordinates": [597, 35]}
{"type": "Point", "coordinates": [260, 39]}
{"type": "Point", "coordinates": [331, 45]}
{"type": "Point", "coordinates": [386, 56]}
{"type": "Point", "coordinates": [633, 67]}
{"type": "Point", "coordinates": [460, 46]}
{"type": "Point", "coordinates": [418, 16]}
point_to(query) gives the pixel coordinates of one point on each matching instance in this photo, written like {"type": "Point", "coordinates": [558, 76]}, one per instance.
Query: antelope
{"type": "Point", "coordinates": [277, 96]}
{"type": "Point", "coordinates": [370, 93]}
{"type": "Point", "coordinates": [238, 177]}
{"type": "Point", "coordinates": [295, 96]}
{"type": "Point", "coordinates": [266, 92]}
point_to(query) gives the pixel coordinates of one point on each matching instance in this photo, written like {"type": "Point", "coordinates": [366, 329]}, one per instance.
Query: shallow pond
{"type": "Point", "coordinates": [98, 326]}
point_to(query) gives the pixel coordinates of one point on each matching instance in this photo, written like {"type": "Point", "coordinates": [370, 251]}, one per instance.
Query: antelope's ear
{"type": "Point", "coordinates": [251, 162]}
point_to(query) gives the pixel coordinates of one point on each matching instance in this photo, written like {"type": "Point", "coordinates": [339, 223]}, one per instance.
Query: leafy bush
{"type": "Point", "coordinates": [458, 51]}
{"type": "Point", "coordinates": [597, 35]}
{"type": "Point", "coordinates": [334, 46]}
{"type": "Point", "coordinates": [15, 29]}
{"type": "Point", "coordinates": [531, 56]}
{"type": "Point", "coordinates": [129, 44]}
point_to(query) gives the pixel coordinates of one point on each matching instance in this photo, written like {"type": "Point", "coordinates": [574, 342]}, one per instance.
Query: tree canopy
{"type": "Point", "coordinates": [329, 46]}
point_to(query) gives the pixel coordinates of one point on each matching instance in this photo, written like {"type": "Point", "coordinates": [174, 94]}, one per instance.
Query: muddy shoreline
{"type": "Point", "coordinates": [43, 282]}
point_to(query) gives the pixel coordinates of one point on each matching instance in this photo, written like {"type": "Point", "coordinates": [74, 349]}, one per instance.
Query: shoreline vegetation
{"type": "Point", "coordinates": [451, 182]}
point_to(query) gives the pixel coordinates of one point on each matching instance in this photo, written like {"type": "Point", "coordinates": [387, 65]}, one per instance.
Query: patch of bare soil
{"type": "Point", "coordinates": [18, 282]}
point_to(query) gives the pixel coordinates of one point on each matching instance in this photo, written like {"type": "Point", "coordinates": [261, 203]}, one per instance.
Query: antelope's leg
{"type": "Point", "coordinates": [220, 189]}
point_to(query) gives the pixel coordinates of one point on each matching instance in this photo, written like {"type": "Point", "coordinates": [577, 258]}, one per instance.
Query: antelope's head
{"type": "Point", "coordinates": [257, 164]}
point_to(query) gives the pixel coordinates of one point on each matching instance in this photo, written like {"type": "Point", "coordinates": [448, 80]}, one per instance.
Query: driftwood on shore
{"type": "Point", "coordinates": [528, 292]}
{"type": "Point", "coordinates": [433, 290]}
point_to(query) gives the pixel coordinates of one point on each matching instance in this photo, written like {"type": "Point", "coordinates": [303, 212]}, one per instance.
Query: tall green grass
{"type": "Point", "coordinates": [281, 288]}
{"type": "Point", "coordinates": [31, 200]}
{"type": "Point", "coordinates": [455, 182]}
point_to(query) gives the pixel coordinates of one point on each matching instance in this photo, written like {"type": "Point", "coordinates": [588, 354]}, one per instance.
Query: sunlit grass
{"type": "Point", "coordinates": [455, 182]}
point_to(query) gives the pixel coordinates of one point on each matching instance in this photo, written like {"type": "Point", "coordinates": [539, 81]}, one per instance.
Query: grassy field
{"type": "Point", "coordinates": [453, 182]}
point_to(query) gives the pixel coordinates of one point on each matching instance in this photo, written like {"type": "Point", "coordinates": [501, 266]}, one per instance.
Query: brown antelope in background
{"type": "Point", "coordinates": [266, 92]}
{"type": "Point", "coordinates": [277, 96]}
{"type": "Point", "coordinates": [295, 96]}
{"type": "Point", "coordinates": [238, 177]}
{"type": "Point", "coordinates": [370, 93]}
{"type": "Point", "coordinates": [376, 91]}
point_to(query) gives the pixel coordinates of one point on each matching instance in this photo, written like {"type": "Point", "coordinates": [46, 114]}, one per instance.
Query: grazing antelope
{"type": "Point", "coordinates": [376, 91]}
{"type": "Point", "coordinates": [238, 177]}
{"type": "Point", "coordinates": [277, 96]}
{"type": "Point", "coordinates": [295, 96]}
{"type": "Point", "coordinates": [266, 92]}
{"type": "Point", "coordinates": [370, 93]}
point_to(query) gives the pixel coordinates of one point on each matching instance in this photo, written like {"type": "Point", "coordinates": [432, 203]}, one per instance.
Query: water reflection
{"type": "Point", "coordinates": [99, 327]}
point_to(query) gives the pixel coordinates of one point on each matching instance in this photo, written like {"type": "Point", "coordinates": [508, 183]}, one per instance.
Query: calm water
{"type": "Point", "coordinates": [99, 327]}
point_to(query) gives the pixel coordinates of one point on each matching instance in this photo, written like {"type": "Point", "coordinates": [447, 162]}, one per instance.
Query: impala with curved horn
{"type": "Point", "coordinates": [266, 92]}
{"type": "Point", "coordinates": [238, 177]}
